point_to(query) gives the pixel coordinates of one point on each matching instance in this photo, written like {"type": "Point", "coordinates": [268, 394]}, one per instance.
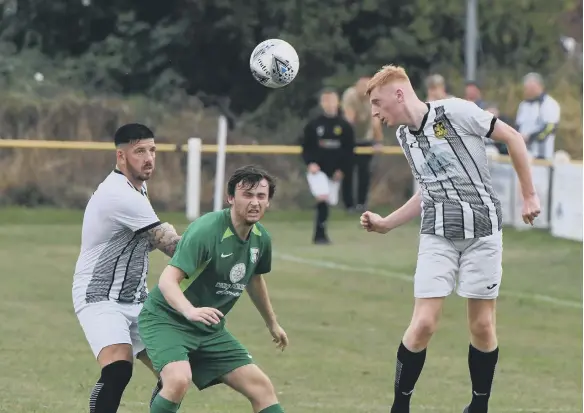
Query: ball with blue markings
{"type": "Point", "coordinates": [274, 63]}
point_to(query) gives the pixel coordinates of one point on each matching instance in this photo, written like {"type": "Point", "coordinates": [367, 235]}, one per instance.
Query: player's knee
{"type": "Point", "coordinates": [260, 391]}
{"type": "Point", "coordinates": [176, 386]}
{"type": "Point", "coordinates": [115, 352]}
{"type": "Point", "coordinates": [423, 327]}
{"type": "Point", "coordinates": [176, 380]}
{"type": "Point", "coordinates": [117, 374]}
{"type": "Point", "coordinates": [482, 327]}
{"type": "Point", "coordinates": [321, 198]}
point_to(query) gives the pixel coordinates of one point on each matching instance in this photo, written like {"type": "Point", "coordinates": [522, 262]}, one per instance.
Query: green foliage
{"type": "Point", "coordinates": [104, 63]}
{"type": "Point", "coordinates": [195, 45]}
{"type": "Point", "coordinates": [177, 48]}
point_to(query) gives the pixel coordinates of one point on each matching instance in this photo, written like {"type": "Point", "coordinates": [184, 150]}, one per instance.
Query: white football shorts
{"type": "Point", "coordinates": [108, 322]}
{"type": "Point", "coordinates": [321, 185]}
{"type": "Point", "coordinates": [472, 266]}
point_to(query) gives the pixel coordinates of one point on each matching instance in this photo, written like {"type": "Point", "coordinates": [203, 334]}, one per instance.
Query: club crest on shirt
{"type": "Point", "coordinates": [254, 254]}
{"type": "Point", "coordinates": [337, 130]}
{"type": "Point", "coordinates": [237, 272]}
{"type": "Point", "coordinates": [439, 130]}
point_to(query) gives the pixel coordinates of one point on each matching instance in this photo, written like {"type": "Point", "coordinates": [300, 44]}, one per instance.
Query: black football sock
{"type": "Point", "coordinates": [482, 370]}
{"type": "Point", "coordinates": [322, 211]}
{"type": "Point", "coordinates": [156, 390]}
{"type": "Point", "coordinates": [107, 393]}
{"type": "Point", "coordinates": [407, 371]}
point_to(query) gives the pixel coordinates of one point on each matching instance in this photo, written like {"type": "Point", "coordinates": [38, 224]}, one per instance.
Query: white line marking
{"type": "Point", "coordinates": [427, 408]}
{"type": "Point", "coordinates": [409, 278]}
{"type": "Point", "coordinates": [509, 410]}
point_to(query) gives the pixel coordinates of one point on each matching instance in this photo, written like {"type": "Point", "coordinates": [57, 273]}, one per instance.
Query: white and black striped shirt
{"type": "Point", "coordinates": [448, 159]}
{"type": "Point", "coordinates": [113, 261]}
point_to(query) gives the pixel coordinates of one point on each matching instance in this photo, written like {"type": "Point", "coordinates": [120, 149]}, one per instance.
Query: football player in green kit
{"type": "Point", "coordinates": [182, 322]}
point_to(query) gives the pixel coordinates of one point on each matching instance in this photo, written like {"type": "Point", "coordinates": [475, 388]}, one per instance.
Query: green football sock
{"type": "Point", "coordinates": [161, 405]}
{"type": "Point", "coordinates": [275, 408]}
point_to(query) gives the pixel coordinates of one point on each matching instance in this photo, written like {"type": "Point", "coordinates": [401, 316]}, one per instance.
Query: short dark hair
{"type": "Point", "coordinates": [328, 91]}
{"type": "Point", "coordinates": [250, 176]}
{"type": "Point", "coordinates": [132, 132]}
{"type": "Point", "coordinates": [474, 83]}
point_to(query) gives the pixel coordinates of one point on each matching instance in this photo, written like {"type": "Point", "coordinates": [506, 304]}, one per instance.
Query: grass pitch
{"type": "Point", "coordinates": [344, 306]}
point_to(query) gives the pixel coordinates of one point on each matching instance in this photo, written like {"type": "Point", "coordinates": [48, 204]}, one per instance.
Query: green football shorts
{"type": "Point", "coordinates": [210, 356]}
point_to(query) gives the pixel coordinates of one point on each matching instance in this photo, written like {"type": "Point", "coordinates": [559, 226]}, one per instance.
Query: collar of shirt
{"type": "Point", "coordinates": [141, 191]}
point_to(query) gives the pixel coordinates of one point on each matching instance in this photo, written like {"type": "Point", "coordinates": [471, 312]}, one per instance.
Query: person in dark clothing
{"type": "Point", "coordinates": [327, 148]}
{"type": "Point", "coordinates": [472, 92]}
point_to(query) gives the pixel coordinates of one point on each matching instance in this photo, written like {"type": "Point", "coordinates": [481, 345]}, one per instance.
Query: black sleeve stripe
{"type": "Point", "coordinates": [147, 228]}
{"type": "Point", "coordinates": [488, 135]}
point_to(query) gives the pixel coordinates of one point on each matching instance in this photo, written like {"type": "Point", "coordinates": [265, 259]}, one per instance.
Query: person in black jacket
{"type": "Point", "coordinates": [327, 149]}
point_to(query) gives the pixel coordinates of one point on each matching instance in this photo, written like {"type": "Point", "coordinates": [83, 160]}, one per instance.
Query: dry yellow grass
{"type": "Point", "coordinates": [67, 178]}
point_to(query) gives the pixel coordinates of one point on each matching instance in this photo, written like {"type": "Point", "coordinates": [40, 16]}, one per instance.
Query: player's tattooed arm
{"type": "Point", "coordinates": [164, 238]}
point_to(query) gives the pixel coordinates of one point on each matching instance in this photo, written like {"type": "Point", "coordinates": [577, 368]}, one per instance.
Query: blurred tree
{"type": "Point", "coordinates": [177, 46]}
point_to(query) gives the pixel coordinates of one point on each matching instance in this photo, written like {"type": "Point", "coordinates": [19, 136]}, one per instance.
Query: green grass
{"type": "Point", "coordinates": [344, 306]}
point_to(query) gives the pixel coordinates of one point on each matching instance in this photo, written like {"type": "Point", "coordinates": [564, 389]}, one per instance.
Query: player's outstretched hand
{"type": "Point", "coordinates": [373, 222]}
{"type": "Point", "coordinates": [531, 209]}
{"type": "Point", "coordinates": [279, 336]}
{"type": "Point", "coordinates": [205, 315]}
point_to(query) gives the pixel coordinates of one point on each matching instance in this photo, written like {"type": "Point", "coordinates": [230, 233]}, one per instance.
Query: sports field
{"type": "Point", "coordinates": [344, 307]}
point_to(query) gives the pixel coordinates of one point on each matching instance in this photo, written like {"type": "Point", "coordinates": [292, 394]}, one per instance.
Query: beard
{"type": "Point", "coordinates": [140, 174]}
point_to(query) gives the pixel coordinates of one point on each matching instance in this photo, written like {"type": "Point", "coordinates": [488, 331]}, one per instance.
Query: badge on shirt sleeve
{"type": "Point", "coordinates": [254, 254]}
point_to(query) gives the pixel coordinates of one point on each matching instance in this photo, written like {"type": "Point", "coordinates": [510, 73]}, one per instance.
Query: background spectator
{"type": "Point", "coordinates": [472, 92]}
{"type": "Point", "coordinates": [368, 132]}
{"type": "Point", "coordinates": [538, 116]}
{"type": "Point", "coordinates": [436, 88]}
{"type": "Point", "coordinates": [327, 147]}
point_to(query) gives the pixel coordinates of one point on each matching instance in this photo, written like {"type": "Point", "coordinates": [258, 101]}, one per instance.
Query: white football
{"type": "Point", "coordinates": [274, 63]}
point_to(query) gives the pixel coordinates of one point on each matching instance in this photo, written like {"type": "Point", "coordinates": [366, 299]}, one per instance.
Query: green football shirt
{"type": "Point", "coordinates": [218, 265]}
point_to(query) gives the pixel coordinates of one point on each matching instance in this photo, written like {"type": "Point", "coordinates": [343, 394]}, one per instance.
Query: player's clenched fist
{"type": "Point", "coordinates": [205, 315]}
{"type": "Point", "coordinates": [531, 208]}
{"type": "Point", "coordinates": [373, 222]}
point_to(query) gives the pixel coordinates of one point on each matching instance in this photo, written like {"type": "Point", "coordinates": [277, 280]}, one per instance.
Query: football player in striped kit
{"type": "Point", "coordinates": [119, 230]}
{"type": "Point", "coordinates": [461, 241]}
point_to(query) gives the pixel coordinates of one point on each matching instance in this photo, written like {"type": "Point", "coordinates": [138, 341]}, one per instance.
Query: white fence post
{"type": "Point", "coordinates": [220, 168]}
{"type": "Point", "coordinates": [193, 179]}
